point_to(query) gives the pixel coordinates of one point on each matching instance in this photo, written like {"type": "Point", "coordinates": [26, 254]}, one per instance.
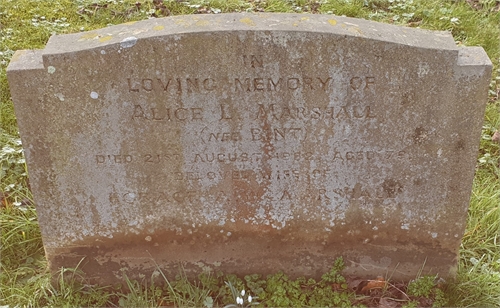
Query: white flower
{"type": "Point", "coordinates": [239, 300]}
{"type": "Point", "coordinates": [242, 292]}
{"type": "Point", "coordinates": [249, 298]}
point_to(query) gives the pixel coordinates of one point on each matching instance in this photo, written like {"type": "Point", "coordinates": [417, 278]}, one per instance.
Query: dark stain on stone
{"type": "Point", "coordinates": [392, 187]}
{"type": "Point", "coordinates": [460, 145]}
{"type": "Point", "coordinates": [407, 98]}
{"type": "Point", "coordinates": [418, 181]}
{"type": "Point", "coordinates": [420, 135]}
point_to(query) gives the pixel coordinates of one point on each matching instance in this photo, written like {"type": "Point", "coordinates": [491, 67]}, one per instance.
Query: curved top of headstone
{"type": "Point", "coordinates": [128, 34]}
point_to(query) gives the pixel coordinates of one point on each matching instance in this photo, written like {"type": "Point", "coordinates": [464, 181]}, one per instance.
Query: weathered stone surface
{"type": "Point", "coordinates": [251, 143]}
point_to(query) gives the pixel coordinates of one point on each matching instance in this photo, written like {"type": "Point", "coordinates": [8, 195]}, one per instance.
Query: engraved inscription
{"type": "Point", "coordinates": [227, 157]}
{"type": "Point", "coordinates": [274, 124]}
{"type": "Point", "coordinates": [279, 84]}
{"type": "Point", "coordinates": [253, 61]}
{"type": "Point", "coordinates": [357, 83]}
{"type": "Point", "coordinates": [278, 133]}
{"type": "Point", "coordinates": [270, 112]}
{"type": "Point", "coordinates": [225, 136]}
{"type": "Point", "coordinates": [279, 113]}
{"type": "Point", "coordinates": [167, 114]}
{"type": "Point", "coordinates": [244, 84]}
{"type": "Point", "coordinates": [358, 192]}
{"type": "Point", "coordinates": [225, 112]}
{"type": "Point", "coordinates": [189, 196]}
{"type": "Point", "coordinates": [172, 85]}
{"type": "Point", "coordinates": [114, 159]}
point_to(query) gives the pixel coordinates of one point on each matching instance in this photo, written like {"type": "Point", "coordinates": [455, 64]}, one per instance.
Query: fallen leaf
{"type": "Point", "coordinates": [379, 283]}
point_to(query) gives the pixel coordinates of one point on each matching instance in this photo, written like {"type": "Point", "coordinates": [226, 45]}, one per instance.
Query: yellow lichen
{"type": "Point", "coordinates": [17, 55]}
{"type": "Point", "coordinates": [88, 36]}
{"type": "Point", "coordinates": [202, 23]}
{"type": "Point", "coordinates": [247, 21]}
{"type": "Point", "coordinates": [181, 22]}
{"type": "Point", "coordinates": [355, 30]}
{"type": "Point", "coordinates": [105, 38]}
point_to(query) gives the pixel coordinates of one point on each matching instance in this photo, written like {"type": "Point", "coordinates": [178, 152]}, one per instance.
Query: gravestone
{"type": "Point", "coordinates": [251, 143]}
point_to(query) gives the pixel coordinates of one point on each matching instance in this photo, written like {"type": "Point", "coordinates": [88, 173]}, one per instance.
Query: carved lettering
{"type": "Point", "coordinates": [362, 83]}
{"type": "Point", "coordinates": [224, 110]}
{"type": "Point", "coordinates": [322, 194]}
{"type": "Point", "coordinates": [148, 158]}
{"type": "Point", "coordinates": [163, 85]}
{"type": "Point", "coordinates": [324, 83]}
{"type": "Point", "coordinates": [253, 61]}
{"type": "Point", "coordinates": [193, 85]}
{"type": "Point", "coordinates": [293, 83]}
{"type": "Point", "coordinates": [286, 196]}
{"type": "Point", "coordinates": [277, 133]}
{"type": "Point", "coordinates": [242, 86]}
{"type": "Point", "coordinates": [147, 84]}
{"type": "Point", "coordinates": [200, 84]}
{"type": "Point", "coordinates": [131, 87]}
{"type": "Point", "coordinates": [225, 136]}
{"type": "Point", "coordinates": [113, 159]}
{"type": "Point", "coordinates": [167, 114]}
{"type": "Point", "coordinates": [272, 85]}
{"type": "Point", "coordinates": [209, 84]}
{"type": "Point", "coordinates": [280, 113]}
{"type": "Point", "coordinates": [226, 157]}
{"type": "Point", "coordinates": [357, 156]}
{"type": "Point", "coordinates": [172, 85]}
{"type": "Point", "coordinates": [261, 84]}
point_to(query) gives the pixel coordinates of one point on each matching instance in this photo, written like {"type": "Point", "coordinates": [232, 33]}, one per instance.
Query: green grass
{"type": "Point", "coordinates": [27, 24]}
